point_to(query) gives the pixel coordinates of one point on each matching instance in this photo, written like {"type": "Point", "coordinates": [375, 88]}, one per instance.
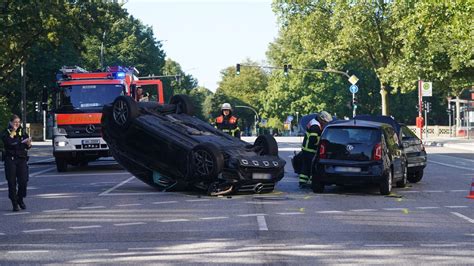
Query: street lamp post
{"type": "Point", "coordinates": [257, 118]}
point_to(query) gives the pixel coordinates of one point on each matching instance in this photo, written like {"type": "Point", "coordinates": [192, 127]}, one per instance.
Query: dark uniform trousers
{"type": "Point", "coordinates": [16, 173]}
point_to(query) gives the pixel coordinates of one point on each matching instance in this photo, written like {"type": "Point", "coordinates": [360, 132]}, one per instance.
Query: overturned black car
{"type": "Point", "coordinates": [165, 146]}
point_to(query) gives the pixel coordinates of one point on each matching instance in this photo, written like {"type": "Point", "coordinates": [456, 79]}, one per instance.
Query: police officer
{"type": "Point", "coordinates": [228, 122]}
{"type": "Point", "coordinates": [16, 143]}
{"type": "Point", "coordinates": [314, 128]}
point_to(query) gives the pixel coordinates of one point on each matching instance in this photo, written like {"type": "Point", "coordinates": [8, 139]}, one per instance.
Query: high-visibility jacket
{"type": "Point", "coordinates": [228, 124]}
{"type": "Point", "coordinates": [311, 139]}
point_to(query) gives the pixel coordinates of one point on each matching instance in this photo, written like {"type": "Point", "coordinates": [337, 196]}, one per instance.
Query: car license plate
{"type": "Point", "coordinates": [347, 169]}
{"type": "Point", "coordinates": [90, 141]}
{"type": "Point", "coordinates": [261, 176]}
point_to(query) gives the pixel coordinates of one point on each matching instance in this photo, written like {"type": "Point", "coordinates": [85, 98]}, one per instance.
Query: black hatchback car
{"type": "Point", "coordinates": [359, 152]}
{"type": "Point", "coordinates": [165, 146]}
{"type": "Point", "coordinates": [412, 146]}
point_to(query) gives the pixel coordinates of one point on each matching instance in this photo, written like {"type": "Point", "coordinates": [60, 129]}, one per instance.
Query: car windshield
{"type": "Point", "coordinates": [346, 135]}
{"type": "Point", "coordinates": [86, 97]}
{"type": "Point", "coordinates": [407, 133]}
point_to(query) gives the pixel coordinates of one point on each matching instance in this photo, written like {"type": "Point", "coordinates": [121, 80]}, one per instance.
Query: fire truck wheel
{"type": "Point", "coordinates": [124, 110]}
{"type": "Point", "coordinates": [183, 104]}
{"type": "Point", "coordinates": [61, 165]}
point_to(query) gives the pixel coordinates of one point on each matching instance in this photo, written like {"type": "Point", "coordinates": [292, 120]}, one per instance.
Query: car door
{"type": "Point", "coordinates": [395, 150]}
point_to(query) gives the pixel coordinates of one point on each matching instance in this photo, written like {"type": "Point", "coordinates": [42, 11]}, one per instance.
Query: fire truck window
{"type": "Point", "coordinates": [89, 96]}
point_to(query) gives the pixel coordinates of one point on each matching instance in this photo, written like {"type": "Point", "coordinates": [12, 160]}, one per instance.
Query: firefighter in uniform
{"type": "Point", "coordinates": [310, 145]}
{"type": "Point", "coordinates": [227, 122]}
{"type": "Point", "coordinates": [16, 143]}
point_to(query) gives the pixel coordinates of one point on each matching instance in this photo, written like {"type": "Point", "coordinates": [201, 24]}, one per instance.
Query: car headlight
{"type": "Point", "coordinates": [61, 143]}
{"type": "Point", "coordinates": [62, 130]}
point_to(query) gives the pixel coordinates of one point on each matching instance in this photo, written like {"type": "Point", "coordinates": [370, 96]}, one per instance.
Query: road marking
{"type": "Point", "coordinates": [329, 212]}
{"type": "Point", "coordinates": [141, 249]}
{"type": "Point", "coordinates": [427, 208]}
{"type": "Point", "coordinates": [262, 224]}
{"type": "Point", "coordinates": [251, 215]}
{"type": "Point", "coordinates": [27, 251]}
{"type": "Point", "coordinates": [2, 234]}
{"type": "Point", "coordinates": [197, 200]}
{"type": "Point", "coordinates": [470, 234]}
{"type": "Point", "coordinates": [85, 227]}
{"type": "Point", "coordinates": [174, 220]}
{"type": "Point", "coordinates": [127, 224]}
{"type": "Point", "coordinates": [290, 213]}
{"type": "Point", "coordinates": [43, 160]}
{"type": "Point", "coordinates": [96, 174]}
{"type": "Point", "coordinates": [57, 210]}
{"type": "Point", "coordinates": [394, 209]}
{"type": "Point", "coordinates": [116, 186]}
{"type": "Point", "coordinates": [383, 245]}
{"type": "Point", "coordinates": [459, 190]}
{"type": "Point", "coordinates": [454, 166]}
{"type": "Point", "coordinates": [214, 218]}
{"type": "Point", "coordinates": [463, 217]}
{"type": "Point", "coordinates": [39, 230]}
{"type": "Point", "coordinates": [164, 202]}
{"type": "Point", "coordinates": [363, 210]}
{"type": "Point", "coordinates": [98, 250]}
{"type": "Point", "coordinates": [130, 204]}
{"type": "Point", "coordinates": [16, 213]}
{"type": "Point", "coordinates": [456, 207]}
{"type": "Point", "coordinates": [438, 245]}
{"type": "Point", "coordinates": [409, 191]}
{"type": "Point", "coordinates": [454, 157]}
{"type": "Point", "coordinates": [91, 207]}
{"type": "Point", "coordinates": [42, 171]}
{"type": "Point", "coordinates": [432, 191]}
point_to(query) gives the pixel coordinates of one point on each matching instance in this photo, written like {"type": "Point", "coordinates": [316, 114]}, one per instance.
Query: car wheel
{"type": "Point", "coordinates": [267, 144]}
{"type": "Point", "coordinates": [61, 165]}
{"type": "Point", "coordinates": [416, 176]}
{"type": "Point", "coordinates": [183, 104]}
{"type": "Point", "coordinates": [124, 110]}
{"type": "Point", "coordinates": [403, 183]}
{"type": "Point", "coordinates": [386, 185]}
{"type": "Point", "coordinates": [207, 161]}
{"type": "Point", "coordinates": [296, 162]}
{"type": "Point", "coordinates": [317, 187]}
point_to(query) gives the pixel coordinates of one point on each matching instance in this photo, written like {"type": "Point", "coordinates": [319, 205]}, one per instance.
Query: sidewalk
{"type": "Point", "coordinates": [461, 143]}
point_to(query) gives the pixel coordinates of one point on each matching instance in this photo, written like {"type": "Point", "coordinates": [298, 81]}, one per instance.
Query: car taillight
{"type": "Point", "coordinates": [322, 150]}
{"type": "Point", "coordinates": [377, 155]}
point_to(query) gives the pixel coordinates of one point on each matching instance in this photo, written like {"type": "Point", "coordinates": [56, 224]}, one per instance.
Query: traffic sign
{"type": "Point", "coordinates": [353, 79]}
{"type": "Point", "coordinates": [427, 89]}
{"type": "Point", "coordinates": [289, 118]}
{"type": "Point", "coordinates": [353, 89]}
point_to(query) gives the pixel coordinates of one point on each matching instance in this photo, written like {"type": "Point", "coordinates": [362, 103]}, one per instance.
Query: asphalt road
{"type": "Point", "coordinates": [102, 215]}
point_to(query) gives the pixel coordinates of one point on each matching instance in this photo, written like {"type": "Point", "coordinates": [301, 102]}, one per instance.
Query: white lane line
{"type": "Point", "coordinates": [164, 202]}
{"type": "Point", "coordinates": [91, 207]}
{"type": "Point", "coordinates": [427, 208]}
{"type": "Point", "coordinates": [85, 227]}
{"type": "Point", "coordinates": [57, 210]}
{"type": "Point", "coordinates": [2, 234]}
{"type": "Point", "coordinates": [383, 245]}
{"type": "Point", "coordinates": [470, 234]}
{"type": "Point", "coordinates": [131, 249]}
{"type": "Point", "coordinates": [16, 213]}
{"type": "Point", "coordinates": [394, 209]}
{"type": "Point", "coordinates": [432, 191]}
{"type": "Point", "coordinates": [42, 171]}
{"type": "Point", "coordinates": [456, 207]}
{"type": "Point", "coordinates": [459, 190]}
{"type": "Point", "coordinates": [290, 213]}
{"type": "Point", "coordinates": [329, 212]}
{"type": "Point", "coordinates": [251, 215]}
{"type": "Point", "coordinates": [438, 245]}
{"type": "Point", "coordinates": [454, 166]}
{"type": "Point", "coordinates": [453, 157]}
{"type": "Point", "coordinates": [96, 174]}
{"type": "Point", "coordinates": [39, 230]}
{"type": "Point", "coordinates": [43, 160]}
{"type": "Point", "coordinates": [214, 218]}
{"type": "Point", "coordinates": [262, 224]}
{"type": "Point", "coordinates": [463, 217]}
{"type": "Point", "coordinates": [98, 250]}
{"type": "Point", "coordinates": [116, 186]}
{"type": "Point", "coordinates": [27, 251]}
{"type": "Point", "coordinates": [127, 205]}
{"type": "Point", "coordinates": [174, 220]}
{"type": "Point", "coordinates": [363, 210]}
{"type": "Point", "coordinates": [127, 224]}
{"type": "Point", "coordinates": [409, 191]}
{"type": "Point", "coordinates": [197, 200]}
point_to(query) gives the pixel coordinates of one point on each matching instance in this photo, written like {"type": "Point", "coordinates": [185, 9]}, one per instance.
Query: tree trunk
{"type": "Point", "coordinates": [384, 94]}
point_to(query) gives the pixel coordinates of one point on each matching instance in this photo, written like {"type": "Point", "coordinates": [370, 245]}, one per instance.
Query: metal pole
{"type": "Point", "coordinates": [23, 95]}
{"type": "Point", "coordinates": [420, 104]}
{"type": "Point", "coordinates": [468, 124]}
{"type": "Point", "coordinates": [44, 125]}
{"type": "Point", "coordinates": [449, 118]}
{"type": "Point", "coordinates": [426, 123]}
{"type": "Point", "coordinates": [353, 106]}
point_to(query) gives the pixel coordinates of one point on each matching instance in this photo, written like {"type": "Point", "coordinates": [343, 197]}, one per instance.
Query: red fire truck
{"type": "Point", "coordinates": [77, 110]}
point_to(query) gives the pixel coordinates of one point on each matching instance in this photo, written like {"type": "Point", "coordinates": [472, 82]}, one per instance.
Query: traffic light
{"type": "Point", "coordinates": [237, 69]}
{"type": "Point", "coordinates": [285, 69]}
{"type": "Point", "coordinates": [354, 102]}
{"type": "Point", "coordinates": [37, 107]}
{"type": "Point", "coordinates": [428, 107]}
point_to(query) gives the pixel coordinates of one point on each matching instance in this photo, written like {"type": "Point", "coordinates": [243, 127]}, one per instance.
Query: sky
{"type": "Point", "coordinates": [207, 36]}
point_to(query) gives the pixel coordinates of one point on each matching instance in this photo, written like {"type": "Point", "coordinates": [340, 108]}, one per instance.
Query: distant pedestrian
{"type": "Point", "coordinates": [17, 143]}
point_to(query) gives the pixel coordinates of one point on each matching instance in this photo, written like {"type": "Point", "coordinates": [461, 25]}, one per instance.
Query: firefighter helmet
{"type": "Point", "coordinates": [226, 106]}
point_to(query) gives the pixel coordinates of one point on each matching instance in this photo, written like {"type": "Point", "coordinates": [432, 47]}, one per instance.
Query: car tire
{"type": "Point", "coordinates": [296, 162]}
{"type": "Point", "coordinates": [124, 110]}
{"type": "Point", "coordinates": [267, 144]}
{"type": "Point", "coordinates": [61, 165]}
{"type": "Point", "coordinates": [403, 183]}
{"type": "Point", "coordinates": [386, 184]}
{"type": "Point", "coordinates": [207, 161]}
{"type": "Point", "coordinates": [183, 104]}
{"type": "Point", "coordinates": [416, 176]}
{"type": "Point", "coordinates": [318, 187]}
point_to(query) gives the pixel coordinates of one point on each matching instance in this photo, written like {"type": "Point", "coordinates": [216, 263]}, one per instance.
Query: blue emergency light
{"type": "Point", "coordinates": [119, 75]}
